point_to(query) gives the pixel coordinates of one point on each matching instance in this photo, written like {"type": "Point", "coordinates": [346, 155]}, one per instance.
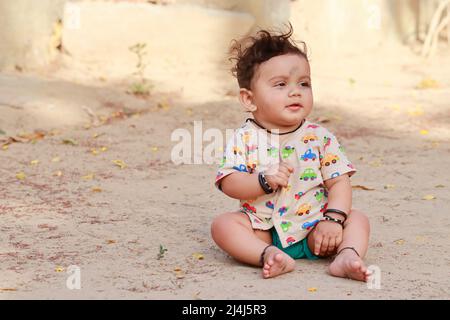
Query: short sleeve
{"type": "Point", "coordinates": [333, 159]}
{"type": "Point", "coordinates": [233, 159]}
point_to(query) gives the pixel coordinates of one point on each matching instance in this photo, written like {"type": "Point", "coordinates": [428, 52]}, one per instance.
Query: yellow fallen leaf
{"type": "Point", "coordinates": [389, 186]}
{"type": "Point", "coordinates": [119, 163]}
{"type": "Point", "coordinates": [34, 162]}
{"type": "Point", "coordinates": [59, 269]}
{"type": "Point", "coordinates": [96, 135]}
{"type": "Point", "coordinates": [89, 176]}
{"type": "Point", "coordinates": [94, 151]}
{"type": "Point", "coordinates": [415, 112]}
{"type": "Point", "coordinates": [8, 289]}
{"type": "Point", "coordinates": [5, 147]}
{"type": "Point", "coordinates": [70, 141]}
{"type": "Point", "coordinates": [164, 105]}
{"type": "Point", "coordinates": [57, 173]}
{"type": "Point", "coordinates": [21, 176]}
{"type": "Point", "coordinates": [198, 256]}
{"type": "Point", "coordinates": [399, 241]}
{"type": "Point", "coordinates": [376, 163]}
{"type": "Point", "coordinates": [423, 132]}
{"type": "Point", "coordinates": [110, 241]}
{"type": "Point", "coordinates": [439, 186]}
{"type": "Point", "coordinates": [103, 149]}
{"type": "Point", "coordinates": [428, 197]}
{"type": "Point", "coordinates": [428, 83]}
{"type": "Point", "coordinates": [56, 159]}
{"type": "Point", "coordinates": [362, 187]}
{"type": "Point", "coordinates": [96, 189]}
{"type": "Point", "coordinates": [154, 149]}
{"type": "Point", "coordinates": [312, 289]}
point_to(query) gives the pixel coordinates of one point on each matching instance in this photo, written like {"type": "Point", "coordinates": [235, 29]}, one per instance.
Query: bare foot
{"type": "Point", "coordinates": [276, 262]}
{"type": "Point", "coordinates": [349, 265]}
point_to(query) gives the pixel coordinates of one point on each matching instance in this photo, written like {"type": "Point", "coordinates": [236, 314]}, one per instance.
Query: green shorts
{"type": "Point", "coordinates": [299, 250]}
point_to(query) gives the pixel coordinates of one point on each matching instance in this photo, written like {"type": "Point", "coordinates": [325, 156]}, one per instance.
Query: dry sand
{"type": "Point", "coordinates": [76, 207]}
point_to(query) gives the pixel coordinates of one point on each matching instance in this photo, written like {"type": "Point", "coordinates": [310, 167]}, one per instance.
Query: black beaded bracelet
{"type": "Point", "coordinates": [342, 213]}
{"type": "Point", "coordinates": [264, 184]}
{"type": "Point", "coordinates": [328, 218]}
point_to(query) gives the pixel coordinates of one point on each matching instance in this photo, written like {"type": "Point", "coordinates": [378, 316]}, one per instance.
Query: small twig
{"type": "Point", "coordinates": [433, 27]}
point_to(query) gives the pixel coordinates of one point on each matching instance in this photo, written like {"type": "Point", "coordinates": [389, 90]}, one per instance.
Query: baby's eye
{"type": "Point", "coordinates": [280, 84]}
{"type": "Point", "coordinates": [304, 84]}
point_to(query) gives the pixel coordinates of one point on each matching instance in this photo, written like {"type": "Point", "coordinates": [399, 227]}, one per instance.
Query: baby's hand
{"type": "Point", "coordinates": [278, 175]}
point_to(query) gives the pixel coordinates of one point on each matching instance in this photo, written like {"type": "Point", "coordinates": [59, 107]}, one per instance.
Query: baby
{"type": "Point", "coordinates": [291, 176]}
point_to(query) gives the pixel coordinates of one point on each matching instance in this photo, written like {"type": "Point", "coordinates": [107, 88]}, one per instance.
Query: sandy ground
{"type": "Point", "coordinates": [74, 206]}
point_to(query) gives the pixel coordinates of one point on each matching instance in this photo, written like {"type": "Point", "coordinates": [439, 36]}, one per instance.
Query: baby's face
{"type": "Point", "coordinates": [281, 90]}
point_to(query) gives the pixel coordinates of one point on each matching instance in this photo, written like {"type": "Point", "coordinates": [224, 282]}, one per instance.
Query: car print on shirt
{"type": "Point", "coordinates": [320, 195]}
{"type": "Point", "coordinates": [298, 195]}
{"type": "Point", "coordinates": [326, 142]}
{"type": "Point", "coordinates": [309, 225]}
{"type": "Point", "coordinates": [308, 174]}
{"type": "Point", "coordinates": [308, 155]}
{"type": "Point", "coordinates": [283, 210]}
{"type": "Point", "coordinates": [237, 150]}
{"type": "Point", "coordinates": [309, 137]}
{"type": "Point", "coordinates": [273, 152]}
{"type": "Point", "coordinates": [290, 240]}
{"type": "Point", "coordinates": [304, 209]}
{"type": "Point", "coordinates": [270, 205]}
{"type": "Point", "coordinates": [329, 159]}
{"type": "Point", "coordinates": [287, 151]}
{"type": "Point", "coordinates": [285, 225]}
{"type": "Point", "coordinates": [248, 208]}
{"type": "Point", "coordinates": [241, 168]}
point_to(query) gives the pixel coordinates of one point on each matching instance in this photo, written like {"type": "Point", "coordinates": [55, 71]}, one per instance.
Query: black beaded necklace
{"type": "Point", "coordinates": [280, 134]}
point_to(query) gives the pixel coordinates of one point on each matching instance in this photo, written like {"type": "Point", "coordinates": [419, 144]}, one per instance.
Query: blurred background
{"type": "Point", "coordinates": [91, 92]}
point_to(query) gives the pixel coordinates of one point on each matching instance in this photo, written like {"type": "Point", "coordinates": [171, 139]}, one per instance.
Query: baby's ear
{"type": "Point", "coordinates": [246, 99]}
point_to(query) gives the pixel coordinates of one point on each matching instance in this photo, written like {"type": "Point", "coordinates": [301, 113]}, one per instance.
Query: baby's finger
{"type": "Point", "coordinates": [331, 246]}
{"type": "Point", "coordinates": [317, 244]}
{"type": "Point", "coordinates": [286, 166]}
{"type": "Point", "coordinates": [324, 246]}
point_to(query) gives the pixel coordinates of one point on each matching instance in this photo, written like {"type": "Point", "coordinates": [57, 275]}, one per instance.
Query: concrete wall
{"type": "Point", "coordinates": [26, 31]}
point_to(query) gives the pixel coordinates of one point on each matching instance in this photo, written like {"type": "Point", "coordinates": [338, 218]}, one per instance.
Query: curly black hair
{"type": "Point", "coordinates": [250, 52]}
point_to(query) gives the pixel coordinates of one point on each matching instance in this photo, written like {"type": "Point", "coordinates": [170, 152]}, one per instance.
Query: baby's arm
{"type": "Point", "coordinates": [243, 185]}
{"type": "Point", "coordinates": [339, 194]}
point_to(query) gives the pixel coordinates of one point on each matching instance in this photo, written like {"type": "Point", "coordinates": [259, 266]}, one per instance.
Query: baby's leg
{"type": "Point", "coordinates": [347, 263]}
{"type": "Point", "coordinates": [234, 234]}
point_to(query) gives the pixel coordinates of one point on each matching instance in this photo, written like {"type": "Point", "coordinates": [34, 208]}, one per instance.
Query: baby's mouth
{"type": "Point", "coordinates": [294, 106]}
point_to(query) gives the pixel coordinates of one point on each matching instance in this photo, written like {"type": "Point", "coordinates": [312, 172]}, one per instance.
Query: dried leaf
{"type": "Point", "coordinates": [110, 241]}
{"type": "Point", "coordinates": [428, 83]}
{"type": "Point", "coordinates": [198, 256]}
{"type": "Point", "coordinates": [34, 162]}
{"type": "Point", "coordinates": [70, 141]}
{"type": "Point", "coordinates": [389, 186]}
{"type": "Point", "coordinates": [154, 149]}
{"type": "Point", "coordinates": [21, 176]}
{"type": "Point", "coordinates": [439, 186]}
{"type": "Point", "coordinates": [424, 132]}
{"type": "Point", "coordinates": [103, 149]}
{"type": "Point", "coordinates": [59, 269]}
{"type": "Point", "coordinates": [8, 289]}
{"type": "Point", "coordinates": [312, 289]}
{"type": "Point", "coordinates": [5, 147]}
{"type": "Point", "coordinates": [57, 173]}
{"type": "Point", "coordinates": [56, 159]}
{"type": "Point", "coordinates": [94, 151]}
{"type": "Point", "coordinates": [399, 242]}
{"type": "Point", "coordinates": [89, 176]}
{"type": "Point", "coordinates": [119, 163]}
{"type": "Point", "coordinates": [428, 197]}
{"type": "Point", "coordinates": [415, 112]}
{"type": "Point", "coordinates": [362, 187]}
{"type": "Point", "coordinates": [96, 189]}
